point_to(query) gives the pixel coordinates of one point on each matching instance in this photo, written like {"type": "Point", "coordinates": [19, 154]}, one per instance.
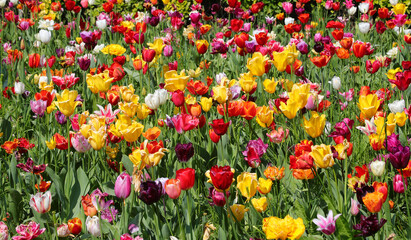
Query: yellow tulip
{"type": "Point", "coordinates": [256, 64]}
{"type": "Point", "coordinates": [206, 103]}
{"type": "Point", "coordinates": [290, 109]}
{"type": "Point", "coordinates": [51, 108]}
{"type": "Point", "coordinates": [247, 82]}
{"type": "Point", "coordinates": [220, 94]}
{"type": "Point", "coordinates": [399, 8]}
{"type": "Point", "coordinates": [391, 123]}
{"type": "Point", "coordinates": [129, 109]}
{"type": "Point", "coordinates": [136, 158]}
{"type": "Point", "coordinates": [142, 111]}
{"type": "Point", "coordinates": [264, 116]}
{"type": "Point", "coordinates": [114, 49]}
{"type": "Point", "coordinates": [194, 73]}
{"type": "Point", "coordinates": [152, 159]}
{"type": "Point", "coordinates": [97, 122]}
{"type": "Point", "coordinates": [264, 185]}
{"type": "Point", "coordinates": [132, 132]}
{"type": "Point", "coordinates": [315, 126]}
{"type": "Point", "coordinates": [99, 82]}
{"type": "Point", "coordinates": [400, 118]}
{"type": "Point", "coordinates": [391, 73]}
{"type": "Point", "coordinates": [260, 204]}
{"type": "Point", "coordinates": [368, 105]}
{"type": "Point", "coordinates": [157, 45]}
{"type": "Point", "coordinates": [238, 211]}
{"type": "Point", "coordinates": [277, 228]}
{"type": "Point", "coordinates": [322, 155]}
{"type": "Point", "coordinates": [97, 139]}
{"type": "Point", "coordinates": [247, 184]}
{"type": "Point", "coordinates": [284, 58]}
{"type": "Point", "coordinates": [51, 144]}
{"type": "Point", "coordinates": [66, 102]}
{"type": "Point", "coordinates": [174, 81]}
{"type": "Point", "coordinates": [85, 130]}
{"type": "Point", "coordinates": [300, 94]}
{"type": "Point", "coordinates": [270, 85]}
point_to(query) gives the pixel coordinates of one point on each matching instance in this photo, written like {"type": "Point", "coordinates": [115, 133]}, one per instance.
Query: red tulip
{"type": "Point", "coordinates": [219, 126]}
{"type": "Point", "coordinates": [221, 177]}
{"type": "Point", "coordinates": [186, 177]}
{"type": "Point", "coordinates": [148, 54]}
{"type": "Point", "coordinates": [236, 24]}
{"type": "Point", "coordinates": [213, 136]}
{"type": "Point", "coordinates": [34, 60]}
{"type": "Point", "coordinates": [173, 188]}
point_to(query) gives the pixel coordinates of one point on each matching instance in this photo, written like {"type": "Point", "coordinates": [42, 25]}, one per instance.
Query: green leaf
{"type": "Point", "coordinates": [5, 128]}
{"type": "Point", "coordinates": [128, 165]}
{"type": "Point", "coordinates": [58, 186]}
{"type": "Point", "coordinates": [15, 203]}
{"type": "Point", "coordinates": [221, 234]}
{"type": "Point", "coordinates": [343, 229]}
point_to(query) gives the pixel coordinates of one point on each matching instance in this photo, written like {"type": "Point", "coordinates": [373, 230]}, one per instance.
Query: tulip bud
{"type": "Point", "coordinates": [122, 188]}
{"type": "Point", "coordinates": [398, 183]}
{"type": "Point", "coordinates": [19, 88]}
{"type": "Point", "coordinates": [93, 226]}
{"type": "Point", "coordinates": [172, 188]}
{"type": "Point", "coordinates": [336, 82]}
{"type": "Point", "coordinates": [355, 207]}
{"type": "Point", "coordinates": [74, 225]}
{"type": "Point", "coordinates": [22, 45]}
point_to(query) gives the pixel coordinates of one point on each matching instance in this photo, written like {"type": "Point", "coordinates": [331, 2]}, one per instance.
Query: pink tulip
{"type": "Point", "coordinates": [288, 7]}
{"type": "Point", "coordinates": [40, 202]}
{"type": "Point", "coordinates": [122, 188]}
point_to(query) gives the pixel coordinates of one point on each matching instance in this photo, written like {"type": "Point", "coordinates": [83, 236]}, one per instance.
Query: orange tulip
{"type": "Point", "coordinates": [249, 110]}
{"type": "Point", "coordinates": [346, 43]}
{"type": "Point", "coordinates": [303, 174]}
{"type": "Point", "coordinates": [359, 49]}
{"type": "Point", "coordinates": [343, 53]}
{"type": "Point", "coordinates": [152, 133]}
{"type": "Point", "coordinates": [321, 61]}
{"type": "Point", "coordinates": [373, 201]}
{"type": "Point", "coordinates": [382, 188]}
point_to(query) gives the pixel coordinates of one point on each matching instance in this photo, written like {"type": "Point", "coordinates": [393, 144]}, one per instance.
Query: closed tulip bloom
{"type": "Point", "coordinates": [220, 94]}
{"type": "Point", "coordinates": [84, 62]}
{"type": "Point", "coordinates": [256, 64]}
{"type": "Point", "coordinates": [238, 211]}
{"type": "Point", "coordinates": [75, 225]}
{"type": "Point", "coordinates": [80, 143]}
{"type": "Point", "coordinates": [322, 155]}
{"type": "Point", "coordinates": [186, 177]}
{"type": "Point", "coordinates": [19, 88]}
{"type": "Point", "coordinates": [66, 102]}
{"type": "Point", "coordinates": [270, 85]}
{"type": "Point", "coordinates": [97, 139]}
{"type": "Point", "coordinates": [260, 204]}
{"type": "Point", "coordinates": [202, 46]}
{"type": "Point", "coordinates": [264, 185]}
{"type": "Point", "coordinates": [172, 188]}
{"type": "Point", "coordinates": [400, 158]}
{"type": "Point", "coordinates": [221, 177]}
{"type": "Point", "coordinates": [184, 152]}
{"type": "Point", "coordinates": [168, 51]}
{"type": "Point", "coordinates": [150, 192]}
{"type": "Point", "coordinates": [377, 168]}
{"type": "Point", "coordinates": [101, 24]}
{"type": "Point", "coordinates": [315, 126]}
{"type": "Point", "coordinates": [38, 107]}
{"type": "Point", "coordinates": [40, 202]}
{"type": "Point", "coordinates": [355, 207]}
{"type": "Point", "coordinates": [44, 36]}
{"type": "Point", "coordinates": [368, 104]}
{"type": "Point", "coordinates": [247, 184]}
{"type": "Point", "coordinates": [206, 103]}
{"type": "Point", "coordinates": [219, 126]}
{"type": "Point", "coordinates": [122, 187]}
{"type": "Point", "coordinates": [93, 226]}
{"type": "Point", "coordinates": [290, 108]}
{"type": "Point", "coordinates": [326, 225]}
{"type": "Point", "coordinates": [265, 116]}
{"type": "Point", "coordinates": [148, 55]}
{"type": "Point", "coordinates": [62, 230]}
{"type": "Point", "coordinates": [373, 201]}
{"type": "Point", "coordinates": [398, 183]}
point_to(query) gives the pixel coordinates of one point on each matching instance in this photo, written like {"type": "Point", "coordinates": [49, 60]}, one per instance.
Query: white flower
{"type": "Point", "coordinates": [328, 128]}
{"type": "Point", "coordinates": [288, 20]}
{"type": "Point", "coordinates": [41, 202]}
{"type": "Point", "coordinates": [363, 7]}
{"type": "Point", "coordinates": [397, 106]}
{"type": "Point", "coordinates": [377, 168]}
{"type": "Point", "coordinates": [91, 2]}
{"type": "Point", "coordinates": [43, 79]}
{"type": "Point", "coordinates": [98, 48]}
{"type": "Point", "coordinates": [369, 127]}
{"type": "Point", "coordinates": [101, 24]}
{"type": "Point", "coordinates": [336, 82]}
{"type": "Point", "coordinates": [393, 2]}
{"type": "Point", "coordinates": [93, 226]}
{"type": "Point", "coordinates": [46, 24]}
{"type": "Point", "coordinates": [352, 11]}
{"type": "Point", "coordinates": [159, 97]}
{"type": "Point", "coordinates": [44, 36]}
{"type": "Point", "coordinates": [19, 88]}
{"type": "Point", "coordinates": [162, 95]}
{"type": "Point", "coordinates": [2, 3]}
{"type": "Point", "coordinates": [141, 17]}
{"type": "Point", "coordinates": [219, 77]}
{"type": "Point", "coordinates": [364, 27]}
{"type": "Point", "coordinates": [392, 53]}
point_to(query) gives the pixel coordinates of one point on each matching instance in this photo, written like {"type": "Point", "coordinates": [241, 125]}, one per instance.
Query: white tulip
{"type": "Point", "coordinates": [377, 168]}
{"type": "Point", "coordinates": [364, 27]}
{"type": "Point", "coordinates": [363, 7]}
{"type": "Point", "coordinates": [2, 3]}
{"type": "Point", "coordinates": [19, 88]}
{"type": "Point", "coordinates": [44, 36]}
{"type": "Point", "coordinates": [352, 11]}
{"type": "Point", "coordinates": [91, 2]}
{"type": "Point", "coordinates": [397, 106]}
{"type": "Point", "coordinates": [101, 24]}
{"type": "Point", "coordinates": [152, 101]}
{"type": "Point", "coordinates": [393, 2]}
{"type": "Point", "coordinates": [392, 53]}
{"type": "Point", "coordinates": [288, 20]}
{"type": "Point", "coordinates": [336, 82]}
{"type": "Point", "coordinates": [93, 226]}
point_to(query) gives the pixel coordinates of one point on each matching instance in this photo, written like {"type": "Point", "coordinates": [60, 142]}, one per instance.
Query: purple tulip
{"type": "Point", "coordinates": [150, 192]}
{"type": "Point", "coordinates": [184, 152]}
{"type": "Point", "coordinates": [302, 47]}
{"type": "Point", "coordinates": [122, 187]}
{"type": "Point", "coordinates": [250, 46]}
{"type": "Point", "coordinates": [60, 52]}
{"type": "Point", "coordinates": [84, 62]}
{"type": "Point", "coordinates": [317, 37]}
{"type": "Point", "coordinates": [299, 11]}
{"type": "Point", "coordinates": [168, 51]}
{"type": "Point", "coordinates": [401, 157]}
{"type": "Point", "coordinates": [318, 47]}
{"type": "Point", "coordinates": [60, 118]}
{"type": "Point", "coordinates": [153, 21]}
{"type": "Point", "coordinates": [38, 107]}
{"type": "Point", "coordinates": [343, 128]}
{"type": "Point", "coordinates": [392, 142]}
{"type": "Point", "coordinates": [195, 17]}
{"type": "Point", "coordinates": [219, 47]}
{"type": "Point", "coordinates": [369, 225]}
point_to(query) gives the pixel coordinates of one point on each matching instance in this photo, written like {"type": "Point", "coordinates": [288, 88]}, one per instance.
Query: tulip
{"type": "Point", "coordinates": [238, 211]}
{"type": "Point", "coordinates": [221, 177]}
{"type": "Point", "coordinates": [264, 185]}
{"type": "Point", "coordinates": [97, 139]}
{"type": "Point", "coordinates": [260, 204]}
{"type": "Point", "coordinates": [84, 62]}
{"type": "Point", "coordinates": [369, 225]}
{"type": "Point", "coordinates": [363, 7]}
{"type": "Point", "coordinates": [93, 226]}
{"type": "Point", "coordinates": [101, 24]}
{"type": "Point", "coordinates": [315, 126]}
{"type": "Point", "coordinates": [400, 158]}
{"type": "Point", "coordinates": [153, 101]}
{"type": "Point", "coordinates": [80, 143]}
{"type": "Point", "coordinates": [202, 46]}
{"type": "Point", "coordinates": [175, 81]}
{"type": "Point", "coordinates": [122, 187]}
{"type": "Point", "coordinates": [277, 228]}
{"type": "Point", "coordinates": [206, 103]}
{"type": "Point", "coordinates": [88, 207]}
{"type": "Point", "coordinates": [38, 107]}
{"type": "Point", "coordinates": [29, 231]}
{"type": "Point", "coordinates": [184, 152]}
{"type": "Point", "coordinates": [172, 188]}
{"type": "Point", "coordinates": [4, 230]}
{"type": "Point", "coordinates": [74, 225]}
{"type": "Point", "coordinates": [322, 155]}
{"type": "Point", "coordinates": [288, 7]}
{"type": "Point", "coordinates": [150, 192]}
{"type": "Point", "coordinates": [373, 201]}
{"type": "Point", "coordinates": [168, 51]}
{"type": "Point", "coordinates": [40, 202]}
{"type": "Point", "coordinates": [60, 118]}
{"type": "Point", "coordinates": [247, 184]}
{"type": "Point", "coordinates": [34, 60]}
{"type": "Point", "coordinates": [398, 183]}
{"type": "Point", "coordinates": [326, 225]}
{"type": "Point", "coordinates": [256, 64]}
{"type": "Point", "coordinates": [66, 102]}
{"type": "Point", "coordinates": [62, 230]}
{"type": "Point", "coordinates": [377, 168]}
{"type": "Point", "coordinates": [355, 207]}
{"type": "Point", "coordinates": [44, 36]}
{"type": "Point", "coordinates": [397, 106]}
{"type": "Point", "coordinates": [186, 177]}
{"type": "Point", "coordinates": [219, 126]}
{"type": "Point", "coordinates": [368, 104]}
{"type": "Point", "coordinates": [19, 88]}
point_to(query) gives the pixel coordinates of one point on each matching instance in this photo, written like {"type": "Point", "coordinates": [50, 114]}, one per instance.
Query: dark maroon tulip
{"type": "Point", "coordinates": [400, 158]}
{"type": "Point", "coordinates": [369, 225]}
{"type": "Point", "coordinates": [150, 192]}
{"type": "Point", "coordinates": [84, 63]}
{"type": "Point", "coordinates": [29, 167]}
{"type": "Point", "coordinates": [184, 152]}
